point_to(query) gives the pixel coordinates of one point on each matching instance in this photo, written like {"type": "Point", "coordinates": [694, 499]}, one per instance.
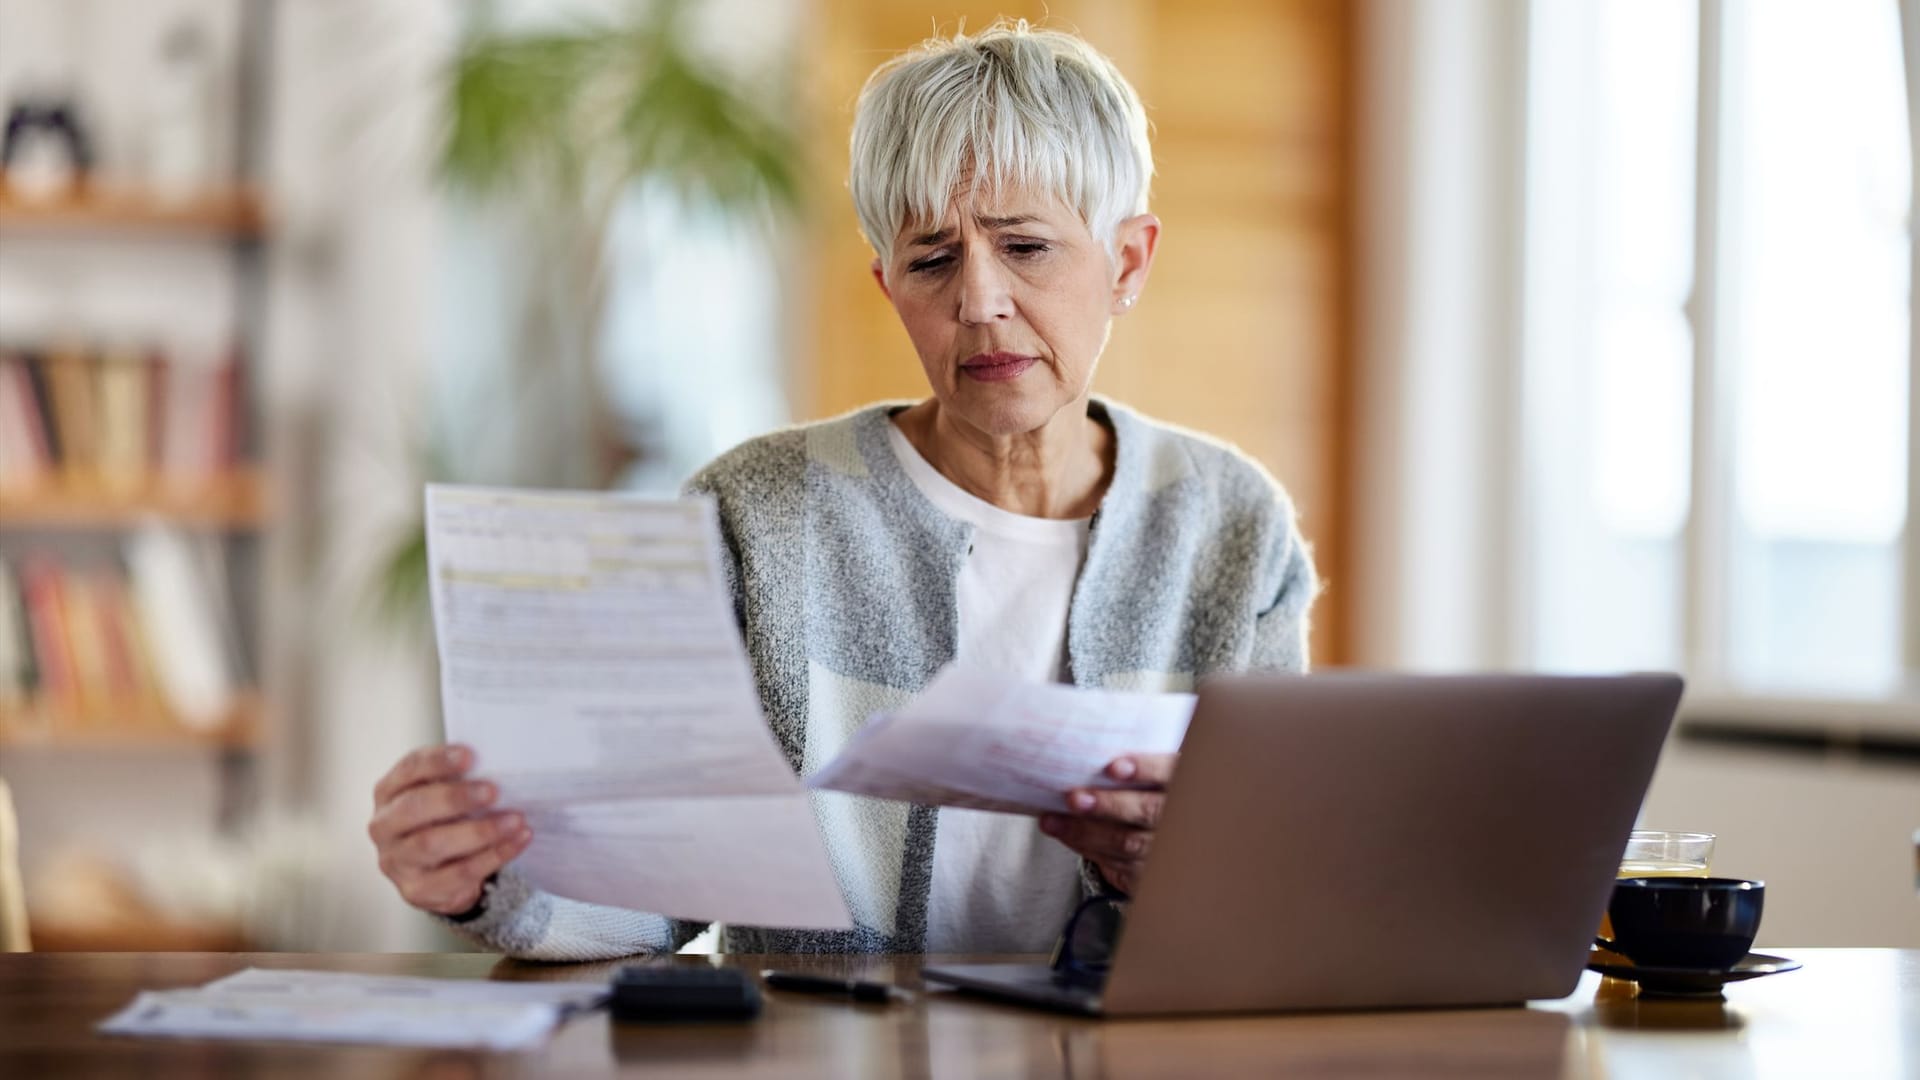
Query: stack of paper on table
{"type": "Point", "coordinates": [980, 740]}
{"type": "Point", "coordinates": [329, 1006]}
{"type": "Point", "coordinates": [588, 654]}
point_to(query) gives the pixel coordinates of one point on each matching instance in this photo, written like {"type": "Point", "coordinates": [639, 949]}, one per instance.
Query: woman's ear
{"type": "Point", "coordinates": [880, 279]}
{"type": "Point", "coordinates": [1136, 237]}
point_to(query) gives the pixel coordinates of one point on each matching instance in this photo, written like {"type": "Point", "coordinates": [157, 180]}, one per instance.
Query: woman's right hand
{"type": "Point", "coordinates": [439, 837]}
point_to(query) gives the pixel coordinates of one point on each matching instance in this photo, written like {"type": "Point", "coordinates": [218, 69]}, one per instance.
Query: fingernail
{"type": "Point", "coordinates": [1123, 768]}
{"type": "Point", "coordinates": [1049, 824]}
{"type": "Point", "coordinates": [483, 792]}
{"type": "Point", "coordinates": [455, 756]}
{"type": "Point", "coordinates": [523, 835]}
{"type": "Point", "coordinates": [1082, 800]}
{"type": "Point", "coordinates": [513, 822]}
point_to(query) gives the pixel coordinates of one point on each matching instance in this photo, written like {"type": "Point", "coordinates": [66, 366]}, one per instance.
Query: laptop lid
{"type": "Point", "coordinates": [1356, 840]}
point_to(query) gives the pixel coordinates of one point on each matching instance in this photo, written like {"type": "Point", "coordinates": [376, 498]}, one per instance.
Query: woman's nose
{"type": "Point", "coordinates": [985, 295]}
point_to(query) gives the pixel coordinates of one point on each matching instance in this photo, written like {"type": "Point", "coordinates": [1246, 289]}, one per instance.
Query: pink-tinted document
{"type": "Point", "coordinates": [988, 742]}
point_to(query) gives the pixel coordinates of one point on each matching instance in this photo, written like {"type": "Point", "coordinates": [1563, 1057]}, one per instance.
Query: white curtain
{"type": "Point", "coordinates": [1910, 40]}
{"type": "Point", "coordinates": [1441, 122]}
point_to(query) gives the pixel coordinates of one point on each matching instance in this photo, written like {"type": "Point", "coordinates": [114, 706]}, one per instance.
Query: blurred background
{"type": "Point", "coordinates": [1579, 331]}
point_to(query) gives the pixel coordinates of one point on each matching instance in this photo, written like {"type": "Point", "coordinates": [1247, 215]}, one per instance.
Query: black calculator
{"type": "Point", "coordinates": [668, 993]}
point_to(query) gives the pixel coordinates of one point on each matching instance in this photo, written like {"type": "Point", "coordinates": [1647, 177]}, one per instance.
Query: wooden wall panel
{"type": "Point", "coordinates": [1242, 331]}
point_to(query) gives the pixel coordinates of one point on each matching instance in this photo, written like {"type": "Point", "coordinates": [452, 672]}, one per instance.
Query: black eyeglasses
{"type": "Point", "coordinates": [1086, 943]}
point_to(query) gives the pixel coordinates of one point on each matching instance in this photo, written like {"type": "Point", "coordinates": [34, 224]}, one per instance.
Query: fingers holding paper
{"type": "Point", "coordinates": [438, 833]}
{"type": "Point", "coordinates": [1113, 827]}
{"type": "Point", "coordinates": [422, 766]}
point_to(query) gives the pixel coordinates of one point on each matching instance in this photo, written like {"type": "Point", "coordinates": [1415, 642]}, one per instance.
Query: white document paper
{"type": "Point", "coordinates": [588, 654]}
{"type": "Point", "coordinates": [294, 983]}
{"type": "Point", "coordinates": [988, 742]}
{"type": "Point", "coordinates": [327, 1006]}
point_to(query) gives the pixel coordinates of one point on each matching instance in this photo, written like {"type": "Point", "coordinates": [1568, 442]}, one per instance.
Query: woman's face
{"type": "Point", "coordinates": [1009, 305]}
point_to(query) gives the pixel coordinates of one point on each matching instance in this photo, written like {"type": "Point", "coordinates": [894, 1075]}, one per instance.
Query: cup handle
{"type": "Point", "coordinates": [1609, 945]}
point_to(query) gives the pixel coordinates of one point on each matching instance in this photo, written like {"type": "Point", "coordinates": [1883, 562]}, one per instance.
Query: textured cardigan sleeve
{"type": "Point", "coordinates": [529, 924]}
{"type": "Point", "coordinates": [1280, 628]}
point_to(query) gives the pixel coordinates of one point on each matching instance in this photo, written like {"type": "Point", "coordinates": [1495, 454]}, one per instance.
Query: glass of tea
{"type": "Point", "coordinates": [1658, 853]}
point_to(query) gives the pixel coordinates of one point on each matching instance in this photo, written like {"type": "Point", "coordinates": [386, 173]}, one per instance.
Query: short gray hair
{"type": "Point", "coordinates": [1011, 106]}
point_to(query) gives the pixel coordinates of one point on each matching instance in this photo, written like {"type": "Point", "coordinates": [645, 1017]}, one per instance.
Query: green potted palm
{"type": "Point", "coordinates": [559, 128]}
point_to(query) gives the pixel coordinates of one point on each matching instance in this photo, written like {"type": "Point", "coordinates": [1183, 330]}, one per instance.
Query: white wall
{"type": "Point", "coordinates": [354, 311]}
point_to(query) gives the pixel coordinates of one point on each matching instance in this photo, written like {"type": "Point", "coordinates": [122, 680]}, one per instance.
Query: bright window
{"type": "Point", "coordinates": [1790, 308]}
{"type": "Point", "coordinates": [1814, 275]}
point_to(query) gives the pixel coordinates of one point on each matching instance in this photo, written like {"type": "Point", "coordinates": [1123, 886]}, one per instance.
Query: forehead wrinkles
{"type": "Point", "coordinates": [968, 204]}
{"type": "Point", "coordinates": [965, 201]}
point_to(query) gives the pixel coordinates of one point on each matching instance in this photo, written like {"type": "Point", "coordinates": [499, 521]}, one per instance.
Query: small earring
{"type": "Point", "coordinates": [1127, 301]}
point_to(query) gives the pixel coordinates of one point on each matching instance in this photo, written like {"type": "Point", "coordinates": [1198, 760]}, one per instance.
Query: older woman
{"type": "Point", "coordinates": [1010, 521]}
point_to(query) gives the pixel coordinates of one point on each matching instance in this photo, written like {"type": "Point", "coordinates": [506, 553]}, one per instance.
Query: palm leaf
{"type": "Point", "coordinates": [576, 112]}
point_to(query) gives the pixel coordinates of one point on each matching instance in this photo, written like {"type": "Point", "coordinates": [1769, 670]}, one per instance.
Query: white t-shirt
{"type": "Point", "coordinates": [999, 883]}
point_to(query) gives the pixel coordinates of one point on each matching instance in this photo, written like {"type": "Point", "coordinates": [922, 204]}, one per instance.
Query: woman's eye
{"type": "Point", "coordinates": [1019, 249]}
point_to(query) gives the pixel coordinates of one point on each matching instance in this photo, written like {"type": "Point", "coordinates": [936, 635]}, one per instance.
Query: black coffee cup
{"type": "Point", "coordinates": [1682, 922]}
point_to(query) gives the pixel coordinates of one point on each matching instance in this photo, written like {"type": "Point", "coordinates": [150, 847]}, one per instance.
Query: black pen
{"type": "Point", "coordinates": [857, 989]}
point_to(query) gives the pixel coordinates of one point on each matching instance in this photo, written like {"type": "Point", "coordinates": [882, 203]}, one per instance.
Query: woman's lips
{"type": "Point", "coordinates": [997, 367]}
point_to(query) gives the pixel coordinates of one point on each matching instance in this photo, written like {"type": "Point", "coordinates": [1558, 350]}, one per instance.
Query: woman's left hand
{"type": "Point", "coordinates": [1113, 827]}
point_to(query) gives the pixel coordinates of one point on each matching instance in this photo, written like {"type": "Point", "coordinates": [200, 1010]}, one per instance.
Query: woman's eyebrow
{"type": "Point", "coordinates": [1004, 222]}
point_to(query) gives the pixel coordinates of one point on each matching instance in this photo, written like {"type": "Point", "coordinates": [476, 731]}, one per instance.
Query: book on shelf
{"type": "Point", "coordinates": [79, 644]}
{"type": "Point", "coordinates": [43, 594]}
{"type": "Point", "coordinates": [18, 676]}
{"type": "Point", "coordinates": [179, 592]}
{"type": "Point", "coordinates": [118, 419]}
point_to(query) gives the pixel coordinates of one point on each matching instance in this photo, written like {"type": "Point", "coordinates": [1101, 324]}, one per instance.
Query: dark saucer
{"type": "Point", "coordinates": [1688, 982]}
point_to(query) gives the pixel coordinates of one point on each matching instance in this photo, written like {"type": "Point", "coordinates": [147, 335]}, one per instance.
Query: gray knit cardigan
{"type": "Point", "coordinates": [843, 577]}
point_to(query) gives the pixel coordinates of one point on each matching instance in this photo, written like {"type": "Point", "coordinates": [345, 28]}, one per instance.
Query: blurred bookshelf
{"type": "Point", "coordinates": [147, 452]}
{"type": "Point", "coordinates": [238, 213]}
{"type": "Point", "coordinates": [135, 506]}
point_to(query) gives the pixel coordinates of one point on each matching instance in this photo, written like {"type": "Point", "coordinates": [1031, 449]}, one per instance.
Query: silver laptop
{"type": "Point", "coordinates": [1360, 841]}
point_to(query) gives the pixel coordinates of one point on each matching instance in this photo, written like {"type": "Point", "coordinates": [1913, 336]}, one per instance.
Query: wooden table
{"type": "Point", "coordinates": [1849, 1012]}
